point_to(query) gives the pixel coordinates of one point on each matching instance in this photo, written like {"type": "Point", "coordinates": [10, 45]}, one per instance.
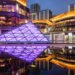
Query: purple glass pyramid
{"type": "Point", "coordinates": [25, 42]}
{"type": "Point", "coordinates": [25, 33]}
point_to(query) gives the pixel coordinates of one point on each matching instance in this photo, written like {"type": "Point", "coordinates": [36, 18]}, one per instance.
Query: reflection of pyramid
{"type": "Point", "coordinates": [25, 42]}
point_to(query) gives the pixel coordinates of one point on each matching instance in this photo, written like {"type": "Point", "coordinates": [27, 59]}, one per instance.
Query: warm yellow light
{"type": "Point", "coordinates": [63, 16]}
{"type": "Point", "coordinates": [23, 2]}
{"type": "Point", "coordinates": [42, 21]}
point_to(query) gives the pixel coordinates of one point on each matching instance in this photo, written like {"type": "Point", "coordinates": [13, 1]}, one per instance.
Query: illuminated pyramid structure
{"type": "Point", "coordinates": [25, 42]}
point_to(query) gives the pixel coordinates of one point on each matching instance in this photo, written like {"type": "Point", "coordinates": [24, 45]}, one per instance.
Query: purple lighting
{"type": "Point", "coordinates": [28, 32]}
{"type": "Point", "coordinates": [33, 42]}
{"type": "Point", "coordinates": [26, 53]}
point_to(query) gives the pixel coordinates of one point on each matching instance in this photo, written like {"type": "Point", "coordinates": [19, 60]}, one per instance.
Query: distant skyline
{"type": "Point", "coordinates": [56, 6]}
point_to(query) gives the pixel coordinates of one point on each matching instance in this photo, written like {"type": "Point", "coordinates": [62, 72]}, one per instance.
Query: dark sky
{"type": "Point", "coordinates": [56, 6]}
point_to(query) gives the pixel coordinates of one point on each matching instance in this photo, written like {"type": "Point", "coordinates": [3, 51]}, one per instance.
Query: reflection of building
{"type": "Point", "coordinates": [12, 12]}
{"type": "Point", "coordinates": [35, 8]}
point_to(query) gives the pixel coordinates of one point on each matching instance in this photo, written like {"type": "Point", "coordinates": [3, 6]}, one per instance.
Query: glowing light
{"type": "Point", "coordinates": [70, 34]}
{"type": "Point", "coordinates": [70, 47]}
{"type": "Point", "coordinates": [27, 34]}
{"type": "Point", "coordinates": [26, 53]}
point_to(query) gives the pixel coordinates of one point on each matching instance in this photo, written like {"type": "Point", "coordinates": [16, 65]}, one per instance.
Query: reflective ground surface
{"type": "Point", "coordinates": [54, 71]}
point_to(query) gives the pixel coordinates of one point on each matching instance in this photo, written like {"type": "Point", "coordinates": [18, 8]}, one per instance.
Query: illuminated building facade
{"type": "Point", "coordinates": [64, 27]}
{"type": "Point", "coordinates": [63, 34]}
{"type": "Point", "coordinates": [12, 12]}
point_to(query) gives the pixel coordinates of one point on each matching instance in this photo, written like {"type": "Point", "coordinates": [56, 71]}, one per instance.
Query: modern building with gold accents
{"type": "Point", "coordinates": [65, 23]}
{"type": "Point", "coordinates": [60, 30]}
{"type": "Point", "coordinates": [12, 12]}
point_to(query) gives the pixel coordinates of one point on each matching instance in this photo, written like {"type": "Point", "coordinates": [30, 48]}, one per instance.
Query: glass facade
{"type": "Point", "coordinates": [41, 15]}
{"type": "Point", "coordinates": [25, 33]}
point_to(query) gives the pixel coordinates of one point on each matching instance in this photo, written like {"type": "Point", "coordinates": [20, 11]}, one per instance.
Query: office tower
{"type": "Point", "coordinates": [71, 7]}
{"type": "Point", "coordinates": [35, 8]}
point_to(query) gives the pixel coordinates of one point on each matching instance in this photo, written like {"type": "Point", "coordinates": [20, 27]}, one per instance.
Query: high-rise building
{"type": "Point", "coordinates": [71, 7]}
{"type": "Point", "coordinates": [12, 12]}
{"type": "Point", "coordinates": [35, 8]}
{"type": "Point", "coordinates": [37, 14]}
{"type": "Point", "coordinates": [45, 14]}
{"type": "Point", "coordinates": [41, 15]}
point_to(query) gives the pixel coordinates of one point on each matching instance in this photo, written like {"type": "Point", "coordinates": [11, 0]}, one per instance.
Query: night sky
{"type": "Point", "coordinates": [56, 6]}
